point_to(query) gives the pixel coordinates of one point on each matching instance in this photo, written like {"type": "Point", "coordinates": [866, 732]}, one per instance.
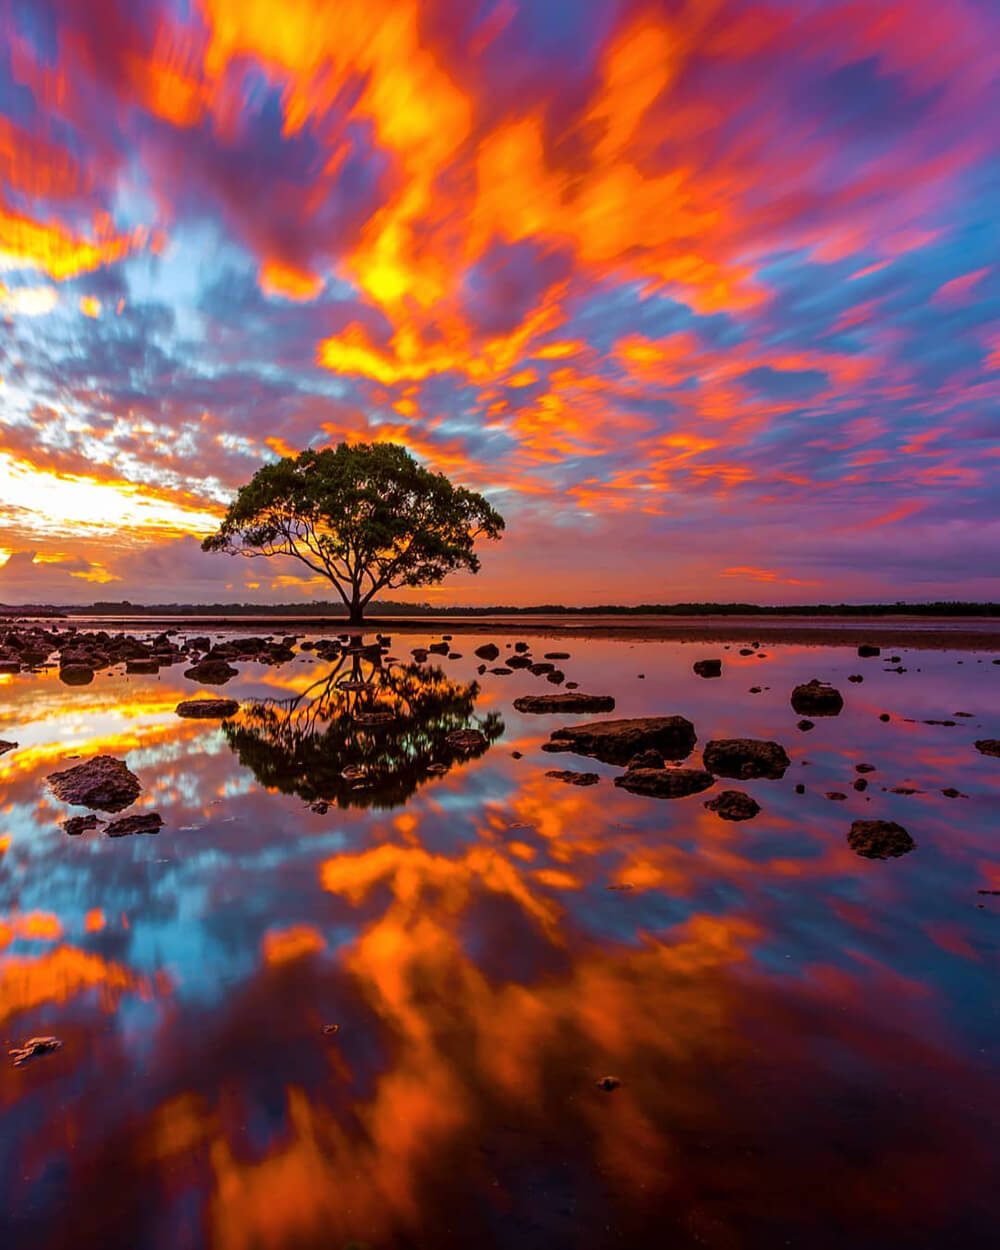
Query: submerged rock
{"type": "Point", "coordinates": [148, 822]}
{"type": "Point", "coordinates": [556, 655]}
{"type": "Point", "coordinates": [104, 783]}
{"type": "Point", "coordinates": [746, 757]}
{"type": "Point", "coordinates": [665, 783]}
{"type": "Point", "coordinates": [806, 725]}
{"type": "Point", "coordinates": [574, 701]}
{"type": "Point", "coordinates": [572, 778]}
{"type": "Point", "coordinates": [211, 672]}
{"type": "Point", "coordinates": [76, 675]}
{"type": "Point", "coordinates": [142, 666]}
{"type": "Point", "coordinates": [488, 651]}
{"type": "Point", "coordinates": [79, 824]}
{"type": "Point", "coordinates": [207, 709]}
{"type": "Point", "coordinates": [988, 746]}
{"type": "Point", "coordinates": [466, 740]}
{"type": "Point", "coordinates": [708, 668]}
{"type": "Point", "coordinates": [866, 650]}
{"type": "Point", "coordinates": [879, 839]}
{"type": "Point", "coordinates": [733, 805]}
{"type": "Point", "coordinates": [817, 698]}
{"type": "Point", "coordinates": [617, 741]}
{"type": "Point", "coordinates": [32, 1048]}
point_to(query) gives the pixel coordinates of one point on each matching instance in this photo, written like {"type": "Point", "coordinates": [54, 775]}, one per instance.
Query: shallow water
{"type": "Point", "coordinates": [806, 1040]}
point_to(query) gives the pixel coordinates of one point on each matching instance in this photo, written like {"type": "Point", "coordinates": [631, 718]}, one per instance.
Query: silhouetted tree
{"type": "Point", "coordinates": [367, 517]}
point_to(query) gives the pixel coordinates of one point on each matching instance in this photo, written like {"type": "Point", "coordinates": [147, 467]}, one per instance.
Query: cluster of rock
{"type": "Point", "coordinates": [103, 784]}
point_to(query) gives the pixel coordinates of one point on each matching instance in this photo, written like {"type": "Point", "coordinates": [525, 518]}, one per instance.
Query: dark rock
{"type": "Point", "coordinates": [556, 677]}
{"type": "Point", "coordinates": [608, 1083]}
{"type": "Point", "coordinates": [207, 709]}
{"type": "Point", "coordinates": [79, 824]}
{"type": "Point", "coordinates": [746, 757]}
{"type": "Point", "coordinates": [733, 805]}
{"type": "Point", "coordinates": [952, 793]}
{"type": "Point", "coordinates": [439, 648]}
{"type": "Point", "coordinates": [941, 722]}
{"type": "Point", "coordinates": [148, 822]}
{"type": "Point", "coordinates": [866, 650]}
{"type": "Point", "coordinates": [573, 779]}
{"type": "Point", "coordinates": [466, 740]}
{"type": "Point", "coordinates": [320, 807]}
{"type": "Point", "coordinates": [836, 795]}
{"type": "Point", "coordinates": [708, 668]}
{"type": "Point", "coordinates": [556, 655]}
{"type": "Point", "coordinates": [541, 668]}
{"type": "Point", "coordinates": [860, 783]}
{"type": "Point", "coordinates": [76, 675]}
{"type": "Point", "coordinates": [884, 716]}
{"type": "Point", "coordinates": [800, 788]}
{"type": "Point", "coordinates": [746, 651]}
{"type": "Point", "coordinates": [488, 651]}
{"type": "Point", "coordinates": [646, 759]}
{"type": "Point", "coordinates": [10, 666]}
{"type": "Point", "coordinates": [519, 661]}
{"type": "Point", "coordinates": [501, 671]}
{"type": "Point", "coordinates": [905, 790]}
{"type": "Point", "coordinates": [7, 746]}
{"type": "Point", "coordinates": [816, 698]}
{"type": "Point", "coordinates": [665, 783]}
{"type": "Point", "coordinates": [879, 839]}
{"type": "Point", "coordinates": [572, 685]}
{"type": "Point", "coordinates": [104, 783]}
{"type": "Point", "coordinates": [517, 755]}
{"type": "Point", "coordinates": [419, 654]}
{"type": "Point", "coordinates": [521, 647]}
{"type": "Point", "coordinates": [211, 672]}
{"type": "Point", "coordinates": [988, 746]}
{"type": "Point", "coordinates": [855, 677]}
{"type": "Point", "coordinates": [864, 768]}
{"type": "Point", "coordinates": [806, 725]}
{"type": "Point", "coordinates": [755, 689]}
{"type": "Point", "coordinates": [617, 741]}
{"type": "Point", "coordinates": [32, 1048]}
{"type": "Point", "coordinates": [566, 702]}
{"type": "Point", "coordinates": [454, 655]}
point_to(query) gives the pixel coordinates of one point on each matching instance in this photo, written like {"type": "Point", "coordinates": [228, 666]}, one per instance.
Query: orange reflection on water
{"type": "Point", "coordinates": [26, 981]}
{"type": "Point", "coordinates": [280, 945]}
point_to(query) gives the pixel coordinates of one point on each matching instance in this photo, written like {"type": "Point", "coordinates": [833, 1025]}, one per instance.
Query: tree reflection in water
{"type": "Point", "coordinates": [367, 734]}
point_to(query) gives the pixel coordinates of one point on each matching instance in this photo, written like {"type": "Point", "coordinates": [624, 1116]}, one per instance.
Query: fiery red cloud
{"type": "Point", "coordinates": [709, 287]}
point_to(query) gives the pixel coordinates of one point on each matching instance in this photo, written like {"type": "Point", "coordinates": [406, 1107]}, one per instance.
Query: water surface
{"type": "Point", "coordinates": [805, 1039]}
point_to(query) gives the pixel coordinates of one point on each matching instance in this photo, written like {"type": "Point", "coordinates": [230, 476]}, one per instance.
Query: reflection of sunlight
{"type": "Point", "coordinates": [26, 982]}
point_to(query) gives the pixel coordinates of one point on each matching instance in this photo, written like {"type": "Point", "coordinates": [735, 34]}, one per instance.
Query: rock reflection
{"type": "Point", "coordinates": [369, 733]}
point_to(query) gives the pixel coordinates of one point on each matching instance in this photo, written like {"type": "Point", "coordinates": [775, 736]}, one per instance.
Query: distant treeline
{"type": "Point", "coordinates": [390, 608]}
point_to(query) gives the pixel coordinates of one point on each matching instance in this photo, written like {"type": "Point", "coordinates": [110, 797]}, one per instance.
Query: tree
{"type": "Point", "coordinates": [367, 517]}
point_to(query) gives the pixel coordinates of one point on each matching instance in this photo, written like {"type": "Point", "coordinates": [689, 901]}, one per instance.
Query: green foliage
{"type": "Point", "coordinates": [367, 517]}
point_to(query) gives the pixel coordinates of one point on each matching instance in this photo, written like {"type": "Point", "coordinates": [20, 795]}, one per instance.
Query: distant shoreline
{"type": "Point", "coordinates": [927, 632]}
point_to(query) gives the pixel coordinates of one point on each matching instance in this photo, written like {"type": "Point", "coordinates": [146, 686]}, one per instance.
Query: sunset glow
{"type": "Point", "coordinates": [714, 282]}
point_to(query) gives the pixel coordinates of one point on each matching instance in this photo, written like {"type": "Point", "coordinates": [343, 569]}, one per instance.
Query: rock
{"type": "Point", "coordinates": [439, 648]}
{"type": "Point", "coordinates": [32, 1048]}
{"type": "Point", "coordinates": [746, 651]}
{"type": "Point", "coordinates": [466, 740]}
{"type": "Point", "coordinates": [864, 768]}
{"type": "Point", "coordinates": [665, 783]}
{"type": "Point", "coordinates": [521, 647]}
{"type": "Point", "coordinates": [211, 672]}
{"type": "Point", "coordinates": [10, 666]}
{"type": "Point", "coordinates": [488, 651]}
{"type": "Point", "coordinates": [836, 795]}
{"type": "Point", "coordinates": [556, 677]}
{"type": "Point", "coordinates": [646, 759]}
{"type": "Point", "coordinates": [207, 709]}
{"type": "Point", "coordinates": [755, 689]}
{"type": "Point", "coordinates": [855, 677]}
{"type": "Point", "coordinates": [76, 675]}
{"type": "Point", "coordinates": [952, 793]}
{"type": "Point", "coordinates": [76, 825]}
{"type": "Point", "coordinates": [330, 1029]}
{"type": "Point", "coordinates": [104, 783]}
{"type": "Point", "coordinates": [573, 779]}
{"type": "Point", "coordinates": [541, 668]}
{"type": "Point", "coordinates": [617, 741]}
{"type": "Point", "coordinates": [608, 1083]}
{"type": "Point", "coordinates": [988, 746]}
{"type": "Point", "coordinates": [816, 698]}
{"type": "Point", "coordinates": [419, 654]}
{"type": "Point", "coordinates": [148, 822]}
{"type": "Point", "coordinates": [746, 757]}
{"type": "Point", "coordinates": [142, 666]}
{"type": "Point", "coordinates": [859, 784]}
{"type": "Point", "coordinates": [567, 702]}
{"type": "Point", "coordinates": [517, 755]}
{"type": "Point", "coordinates": [7, 746]}
{"type": "Point", "coordinates": [800, 788]}
{"type": "Point", "coordinates": [501, 671]}
{"type": "Point", "coordinates": [806, 725]}
{"type": "Point", "coordinates": [734, 805]}
{"type": "Point", "coordinates": [708, 668]}
{"type": "Point", "coordinates": [879, 839]}
{"type": "Point", "coordinates": [572, 685]}
{"type": "Point", "coordinates": [320, 807]}
{"type": "Point", "coordinates": [519, 661]}
{"type": "Point", "coordinates": [884, 716]}
{"type": "Point", "coordinates": [556, 655]}
{"type": "Point", "coordinates": [866, 650]}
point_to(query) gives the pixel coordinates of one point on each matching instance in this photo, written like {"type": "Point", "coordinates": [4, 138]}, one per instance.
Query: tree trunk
{"type": "Point", "coordinates": [356, 615]}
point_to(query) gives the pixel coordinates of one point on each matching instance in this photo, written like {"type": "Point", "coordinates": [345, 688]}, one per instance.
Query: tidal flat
{"type": "Point", "coordinates": [389, 970]}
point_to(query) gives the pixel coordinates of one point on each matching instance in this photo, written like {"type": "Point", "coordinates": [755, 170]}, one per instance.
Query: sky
{"type": "Point", "coordinates": [704, 295]}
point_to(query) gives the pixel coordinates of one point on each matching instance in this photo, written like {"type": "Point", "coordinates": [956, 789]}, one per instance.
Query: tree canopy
{"type": "Point", "coordinates": [368, 517]}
